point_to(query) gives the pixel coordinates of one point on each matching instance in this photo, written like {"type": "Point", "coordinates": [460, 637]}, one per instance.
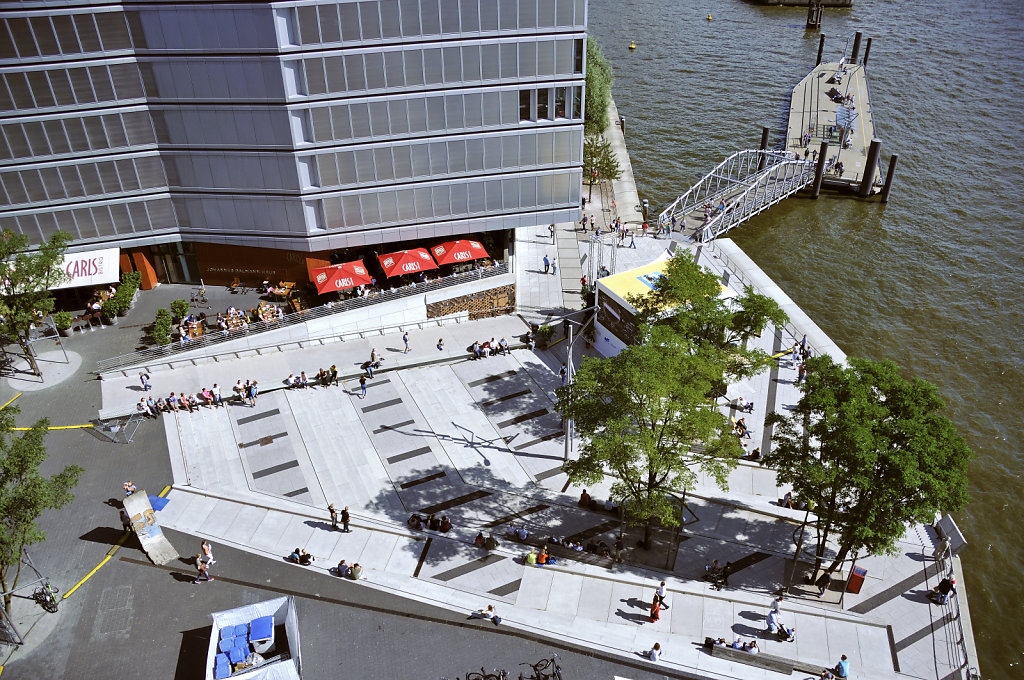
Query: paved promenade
{"type": "Point", "coordinates": [480, 441]}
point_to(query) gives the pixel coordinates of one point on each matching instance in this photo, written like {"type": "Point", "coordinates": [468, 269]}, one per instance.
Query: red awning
{"type": "Point", "coordinates": [453, 252]}
{"type": "Point", "coordinates": [406, 262]}
{"type": "Point", "coordinates": [340, 276]}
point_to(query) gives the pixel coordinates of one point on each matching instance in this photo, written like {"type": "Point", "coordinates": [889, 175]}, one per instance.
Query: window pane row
{"type": "Point", "coordinates": [69, 86]}
{"type": "Point", "coordinates": [63, 34]}
{"type": "Point", "coordinates": [95, 221]}
{"type": "Point", "coordinates": [448, 157]}
{"type": "Point", "coordinates": [380, 119]}
{"type": "Point", "coordinates": [73, 135]}
{"type": "Point", "coordinates": [241, 213]}
{"type": "Point", "coordinates": [458, 64]}
{"type": "Point", "coordinates": [222, 126]}
{"type": "Point", "coordinates": [34, 185]}
{"type": "Point", "coordinates": [453, 199]}
{"type": "Point", "coordinates": [236, 171]}
{"type": "Point", "coordinates": [389, 19]}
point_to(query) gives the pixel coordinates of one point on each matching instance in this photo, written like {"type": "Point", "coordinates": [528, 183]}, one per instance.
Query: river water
{"type": "Point", "coordinates": [933, 279]}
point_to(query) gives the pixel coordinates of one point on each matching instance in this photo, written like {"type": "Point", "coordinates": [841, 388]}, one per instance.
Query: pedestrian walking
{"type": "Point", "coordinates": [823, 582]}
{"type": "Point", "coordinates": [144, 379]}
{"type": "Point", "coordinates": [661, 594]}
{"type": "Point", "coordinates": [129, 488]}
{"type": "Point", "coordinates": [333, 378]}
{"type": "Point", "coordinates": [632, 240]}
{"type": "Point", "coordinates": [564, 374]}
{"type": "Point", "coordinates": [620, 547]}
{"type": "Point", "coordinates": [656, 609]}
{"type": "Point", "coordinates": [796, 353]}
{"type": "Point", "coordinates": [204, 570]}
{"type": "Point", "coordinates": [344, 520]}
{"type": "Point", "coordinates": [551, 230]}
{"type": "Point", "coordinates": [547, 263]}
{"type": "Point", "coordinates": [803, 342]}
{"type": "Point", "coordinates": [126, 521]}
{"type": "Point", "coordinates": [362, 387]}
{"type": "Point", "coordinates": [554, 266]}
{"type": "Point", "coordinates": [334, 517]}
{"type": "Point", "coordinates": [777, 605]}
{"type": "Point", "coordinates": [207, 553]}
{"type": "Point", "coordinates": [801, 373]}
{"type": "Point", "coordinates": [405, 339]}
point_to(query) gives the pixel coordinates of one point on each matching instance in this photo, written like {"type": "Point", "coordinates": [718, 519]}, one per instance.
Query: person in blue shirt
{"type": "Point", "coordinates": [842, 669]}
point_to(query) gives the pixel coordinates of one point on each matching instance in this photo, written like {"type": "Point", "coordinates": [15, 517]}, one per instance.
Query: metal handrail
{"type": "Point", "coordinates": [215, 338]}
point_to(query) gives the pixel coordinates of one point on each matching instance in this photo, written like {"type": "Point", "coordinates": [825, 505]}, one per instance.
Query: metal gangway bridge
{"type": "Point", "coordinates": [743, 185]}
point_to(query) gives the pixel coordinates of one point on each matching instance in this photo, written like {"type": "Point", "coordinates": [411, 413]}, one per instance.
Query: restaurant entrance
{"type": "Point", "coordinates": [175, 263]}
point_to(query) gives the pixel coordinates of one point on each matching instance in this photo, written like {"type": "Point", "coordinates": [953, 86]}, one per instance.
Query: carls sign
{"type": "Point", "coordinates": [408, 267]}
{"type": "Point", "coordinates": [90, 268]}
{"type": "Point", "coordinates": [344, 283]}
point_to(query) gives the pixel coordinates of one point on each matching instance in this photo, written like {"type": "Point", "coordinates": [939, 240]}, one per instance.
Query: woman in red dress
{"type": "Point", "coordinates": [655, 608]}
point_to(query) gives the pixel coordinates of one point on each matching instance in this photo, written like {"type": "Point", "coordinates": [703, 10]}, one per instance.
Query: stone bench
{"type": "Point", "coordinates": [769, 662]}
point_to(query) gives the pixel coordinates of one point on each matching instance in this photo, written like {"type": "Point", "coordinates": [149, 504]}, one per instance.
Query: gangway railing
{"type": "Point", "coordinates": [743, 185]}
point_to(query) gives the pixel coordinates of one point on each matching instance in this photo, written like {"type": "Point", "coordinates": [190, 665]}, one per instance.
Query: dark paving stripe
{"type": "Point", "coordinates": [548, 473]}
{"type": "Point", "coordinates": [588, 534]}
{"type": "Point", "coordinates": [892, 650]}
{"type": "Point", "coordinates": [769, 400]}
{"type": "Point", "coordinates": [895, 590]}
{"type": "Point", "coordinates": [923, 632]}
{"type": "Point", "coordinates": [547, 437]}
{"type": "Point", "coordinates": [523, 418]}
{"type": "Point", "coordinates": [423, 556]}
{"type": "Point", "coordinates": [492, 402]}
{"type": "Point", "coordinates": [275, 469]}
{"type": "Point", "coordinates": [383, 404]}
{"type": "Point", "coordinates": [258, 416]}
{"type": "Point", "coordinates": [382, 381]}
{"type": "Point", "coordinates": [491, 378]}
{"type": "Point", "coordinates": [423, 480]}
{"type": "Point", "coordinates": [507, 589]}
{"type": "Point", "coordinates": [456, 502]}
{"type": "Point", "coordinates": [263, 441]}
{"type": "Point", "coordinates": [514, 516]}
{"type": "Point", "coordinates": [408, 454]}
{"type": "Point", "coordinates": [748, 561]}
{"type": "Point", "coordinates": [469, 567]}
{"type": "Point", "coordinates": [297, 492]}
{"type": "Point", "coordinates": [385, 428]}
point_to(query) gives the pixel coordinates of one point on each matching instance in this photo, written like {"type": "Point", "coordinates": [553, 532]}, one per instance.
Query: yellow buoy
{"type": "Point", "coordinates": [709, 17]}
{"type": "Point", "coordinates": [632, 45]}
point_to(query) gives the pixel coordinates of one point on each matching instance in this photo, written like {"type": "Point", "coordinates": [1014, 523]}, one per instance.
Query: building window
{"type": "Point", "coordinates": [525, 110]}
{"type": "Point", "coordinates": [560, 97]}
{"type": "Point", "coordinates": [543, 107]}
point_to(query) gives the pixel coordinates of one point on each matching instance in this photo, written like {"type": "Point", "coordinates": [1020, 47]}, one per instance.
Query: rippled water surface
{"type": "Point", "coordinates": [933, 280]}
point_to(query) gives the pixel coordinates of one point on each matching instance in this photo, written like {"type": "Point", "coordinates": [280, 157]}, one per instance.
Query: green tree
{"type": "Point", "coordinates": [25, 494]}
{"type": "Point", "coordinates": [598, 90]}
{"type": "Point", "coordinates": [599, 162]}
{"type": "Point", "coordinates": [645, 418]}
{"type": "Point", "coordinates": [872, 451]}
{"type": "Point", "coordinates": [688, 298]}
{"type": "Point", "coordinates": [25, 296]}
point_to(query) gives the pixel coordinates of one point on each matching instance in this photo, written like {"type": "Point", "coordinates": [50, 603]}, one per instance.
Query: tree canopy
{"type": "Point", "coordinates": [645, 417]}
{"type": "Point", "coordinates": [598, 90]}
{"type": "Point", "coordinates": [25, 295]}
{"type": "Point", "coordinates": [25, 493]}
{"type": "Point", "coordinates": [872, 451]}
{"type": "Point", "coordinates": [599, 162]}
{"type": "Point", "coordinates": [687, 298]}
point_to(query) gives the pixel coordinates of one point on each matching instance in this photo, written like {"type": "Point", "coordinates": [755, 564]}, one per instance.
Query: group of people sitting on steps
{"type": "Point", "coordinates": [417, 523]}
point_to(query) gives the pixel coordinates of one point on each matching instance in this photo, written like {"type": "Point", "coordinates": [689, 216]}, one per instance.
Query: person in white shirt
{"type": "Point", "coordinates": [655, 653]}
{"type": "Point", "coordinates": [661, 595]}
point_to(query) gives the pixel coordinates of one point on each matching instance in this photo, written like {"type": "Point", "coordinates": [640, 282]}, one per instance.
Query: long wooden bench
{"type": "Point", "coordinates": [769, 662]}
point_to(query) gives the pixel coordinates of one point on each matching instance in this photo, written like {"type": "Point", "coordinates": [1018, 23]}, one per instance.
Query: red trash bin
{"type": "Point", "coordinates": [856, 580]}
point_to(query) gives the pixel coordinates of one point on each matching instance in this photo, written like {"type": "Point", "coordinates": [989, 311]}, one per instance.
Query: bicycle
{"type": "Point", "coordinates": [545, 669]}
{"type": "Point", "coordinates": [46, 596]}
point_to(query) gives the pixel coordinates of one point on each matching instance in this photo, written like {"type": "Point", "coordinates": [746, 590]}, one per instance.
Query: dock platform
{"type": "Point", "coordinates": [842, 117]}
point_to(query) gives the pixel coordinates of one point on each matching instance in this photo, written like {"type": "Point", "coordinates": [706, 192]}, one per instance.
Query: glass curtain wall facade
{"type": "Point", "coordinates": [300, 126]}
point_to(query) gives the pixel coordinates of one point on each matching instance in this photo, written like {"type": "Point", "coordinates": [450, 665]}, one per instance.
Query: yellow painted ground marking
{"type": "Point", "coordinates": [55, 427]}
{"type": "Point", "coordinates": [10, 400]}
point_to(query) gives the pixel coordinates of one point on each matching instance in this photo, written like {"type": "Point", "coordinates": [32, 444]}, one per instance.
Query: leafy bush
{"type": "Point", "coordinates": [544, 334]}
{"type": "Point", "coordinates": [161, 333]}
{"type": "Point", "coordinates": [133, 279]}
{"type": "Point", "coordinates": [112, 306]}
{"type": "Point", "coordinates": [179, 309]}
{"type": "Point", "coordinates": [62, 320]}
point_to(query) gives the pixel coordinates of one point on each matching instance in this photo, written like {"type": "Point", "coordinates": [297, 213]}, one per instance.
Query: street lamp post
{"type": "Point", "coordinates": [570, 370]}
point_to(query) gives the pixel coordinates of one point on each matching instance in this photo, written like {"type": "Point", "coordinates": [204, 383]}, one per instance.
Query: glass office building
{"type": "Point", "coordinates": [184, 133]}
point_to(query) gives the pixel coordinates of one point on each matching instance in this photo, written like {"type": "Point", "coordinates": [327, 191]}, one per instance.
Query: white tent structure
{"type": "Point", "coordinates": [252, 630]}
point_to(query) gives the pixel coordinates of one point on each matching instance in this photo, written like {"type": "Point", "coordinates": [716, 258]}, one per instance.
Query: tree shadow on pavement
{"type": "Point", "coordinates": [105, 535]}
